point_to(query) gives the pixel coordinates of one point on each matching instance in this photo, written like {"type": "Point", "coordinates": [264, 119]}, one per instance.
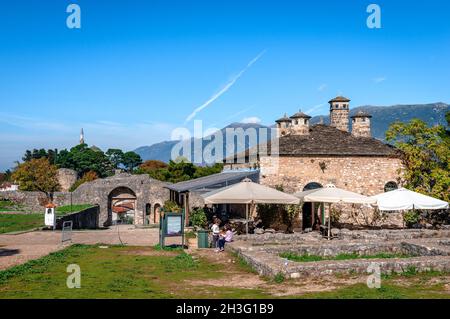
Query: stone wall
{"type": "Point", "coordinates": [66, 178]}
{"type": "Point", "coordinates": [35, 201]}
{"type": "Point", "coordinates": [422, 250]}
{"type": "Point", "coordinates": [147, 191]}
{"type": "Point", "coordinates": [364, 175]}
{"type": "Point", "coordinates": [85, 219]}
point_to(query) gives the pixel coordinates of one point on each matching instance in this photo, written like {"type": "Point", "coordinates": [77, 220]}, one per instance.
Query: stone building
{"type": "Point", "coordinates": [139, 197]}
{"type": "Point", "coordinates": [312, 156]}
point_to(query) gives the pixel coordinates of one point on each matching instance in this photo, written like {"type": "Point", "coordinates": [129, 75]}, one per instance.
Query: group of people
{"type": "Point", "coordinates": [220, 236]}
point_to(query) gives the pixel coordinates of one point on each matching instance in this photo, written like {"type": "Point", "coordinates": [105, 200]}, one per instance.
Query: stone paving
{"type": "Point", "coordinates": [17, 249]}
{"type": "Point", "coordinates": [429, 250]}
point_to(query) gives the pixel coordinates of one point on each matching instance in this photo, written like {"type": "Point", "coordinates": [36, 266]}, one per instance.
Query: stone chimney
{"type": "Point", "coordinates": [283, 125]}
{"type": "Point", "coordinates": [361, 124]}
{"type": "Point", "coordinates": [300, 123]}
{"type": "Point", "coordinates": [339, 109]}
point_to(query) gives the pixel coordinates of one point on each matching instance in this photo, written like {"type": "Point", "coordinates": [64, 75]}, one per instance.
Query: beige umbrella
{"type": "Point", "coordinates": [248, 192]}
{"type": "Point", "coordinates": [331, 194]}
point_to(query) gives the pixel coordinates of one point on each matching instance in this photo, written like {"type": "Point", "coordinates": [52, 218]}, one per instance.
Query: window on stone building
{"type": "Point", "coordinates": [390, 186]}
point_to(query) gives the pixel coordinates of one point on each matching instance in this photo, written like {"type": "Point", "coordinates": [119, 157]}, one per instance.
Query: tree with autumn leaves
{"type": "Point", "coordinates": [37, 175]}
{"type": "Point", "coordinates": [425, 155]}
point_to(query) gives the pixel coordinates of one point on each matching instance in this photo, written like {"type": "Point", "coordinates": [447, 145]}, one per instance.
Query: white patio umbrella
{"type": "Point", "coordinates": [248, 192]}
{"type": "Point", "coordinates": [331, 194]}
{"type": "Point", "coordinates": [404, 199]}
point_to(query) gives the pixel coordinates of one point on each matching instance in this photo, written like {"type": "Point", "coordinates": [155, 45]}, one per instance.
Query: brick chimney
{"type": "Point", "coordinates": [283, 126]}
{"type": "Point", "coordinates": [361, 124]}
{"type": "Point", "coordinates": [339, 109]}
{"type": "Point", "coordinates": [300, 123]}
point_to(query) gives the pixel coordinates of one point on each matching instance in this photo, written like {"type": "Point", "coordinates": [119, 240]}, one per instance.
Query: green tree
{"type": "Point", "coordinates": [131, 160]}
{"type": "Point", "coordinates": [50, 154]}
{"type": "Point", "coordinates": [37, 175]}
{"type": "Point", "coordinates": [83, 159]}
{"type": "Point", "coordinates": [425, 155]}
{"type": "Point", "coordinates": [115, 156]}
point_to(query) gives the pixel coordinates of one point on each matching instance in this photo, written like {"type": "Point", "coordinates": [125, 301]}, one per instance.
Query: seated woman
{"type": "Point", "coordinates": [226, 236]}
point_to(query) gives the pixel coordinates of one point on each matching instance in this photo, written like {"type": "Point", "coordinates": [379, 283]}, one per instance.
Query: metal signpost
{"type": "Point", "coordinates": [66, 231]}
{"type": "Point", "coordinates": [171, 225]}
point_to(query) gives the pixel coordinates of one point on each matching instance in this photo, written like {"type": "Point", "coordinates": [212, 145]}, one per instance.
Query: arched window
{"type": "Point", "coordinates": [390, 186]}
{"type": "Point", "coordinates": [312, 185]}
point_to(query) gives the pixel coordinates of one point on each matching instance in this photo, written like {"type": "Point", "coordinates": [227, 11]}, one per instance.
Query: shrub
{"type": "Point", "coordinates": [411, 217]}
{"type": "Point", "coordinates": [171, 206]}
{"type": "Point", "coordinates": [87, 177]}
{"type": "Point", "coordinates": [279, 278]}
{"type": "Point", "coordinates": [198, 218]}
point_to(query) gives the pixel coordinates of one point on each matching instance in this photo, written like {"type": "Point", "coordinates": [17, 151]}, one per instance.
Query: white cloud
{"type": "Point", "coordinates": [315, 107]}
{"type": "Point", "coordinates": [379, 79]}
{"type": "Point", "coordinates": [224, 89]}
{"type": "Point", "coordinates": [251, 120]}
{"type": "Point", "coordinates": [322, 87]}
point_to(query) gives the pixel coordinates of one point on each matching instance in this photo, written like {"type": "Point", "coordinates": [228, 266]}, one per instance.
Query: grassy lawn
{"type": "Point", "coordinates": [408, 286]}
{"type": "Point", "coordinates": [310, 258]}
{"type": "Point", "coordinates": [118, 272]}
{"type": "Point", "coordinates": [67, 209]}
{"type": "Point", "coordinates": [20, 222]}
{"type": "Point", "coordinates": [146, 272]}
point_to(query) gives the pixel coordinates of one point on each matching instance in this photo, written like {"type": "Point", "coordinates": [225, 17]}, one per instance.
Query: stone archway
{"type": "Point", "coordinates": [122, 206]}
{"type": "Point", "coordinates": [309, 210]}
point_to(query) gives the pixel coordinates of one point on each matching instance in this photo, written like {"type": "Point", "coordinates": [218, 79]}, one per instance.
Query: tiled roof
{"type": "Point", "coordinates": [339, 99]}
{"type": "Point", "coordinates": [285, 118]}
{"type": "Point", "coordinates": [324, 140]}
{"type": "Point", "coordinates": [215, 181]}
{"type": "Point", "coordinates": [300, 115]}
{"type": "Point", "coordinates": [361, 114]}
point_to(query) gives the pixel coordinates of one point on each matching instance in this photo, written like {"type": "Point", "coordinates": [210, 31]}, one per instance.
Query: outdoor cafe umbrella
{"type": "Point", "coordinates": [248, 192]}
{"type": "Point", "coordinates": [404, 199]}
{"type": "Point", "coordinates": [331, 194]}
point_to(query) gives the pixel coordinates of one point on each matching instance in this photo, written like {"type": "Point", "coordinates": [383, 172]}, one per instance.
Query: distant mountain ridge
{"type": "Point", "coordinates": [382, 117]}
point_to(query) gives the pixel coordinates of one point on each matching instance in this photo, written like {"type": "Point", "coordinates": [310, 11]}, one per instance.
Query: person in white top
{"type": "Point", "coordinates": [215, 233]}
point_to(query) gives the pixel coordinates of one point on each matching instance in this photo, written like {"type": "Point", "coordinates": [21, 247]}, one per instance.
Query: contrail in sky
{"type": "Point", "coordinates": [224, 89]}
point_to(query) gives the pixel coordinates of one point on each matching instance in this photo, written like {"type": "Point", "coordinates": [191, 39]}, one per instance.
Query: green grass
{"type": "Point", "coordinates": [8, 206]}
{"type": "Point", "coordinates": [137, 272]}
{"type": "Point", "coordinates": [388, 290]}
{"type": "Point", "coordinates": [310, 258]}
{"type": "Point", "coordinates": [67, 209]}
{"type": "Point", "coordinates": [20, 222]}
{"type": "Point", "coordinates": [116, 272]}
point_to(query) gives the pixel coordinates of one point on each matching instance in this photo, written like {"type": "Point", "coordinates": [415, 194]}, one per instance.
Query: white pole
{"type": "Point", "coordinates": [246, 217]}
{"type": "Point", "coordinates": [329, 220]}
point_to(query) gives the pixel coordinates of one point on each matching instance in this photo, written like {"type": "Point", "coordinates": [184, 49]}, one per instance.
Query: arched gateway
{"type": "Point", "coordinates": [121, 206]}
{"type": "Point", "coordinates": [125, 197]}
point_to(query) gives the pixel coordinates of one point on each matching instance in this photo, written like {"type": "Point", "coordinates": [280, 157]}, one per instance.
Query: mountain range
{"type": "Point", "coordinates": [382, 117]}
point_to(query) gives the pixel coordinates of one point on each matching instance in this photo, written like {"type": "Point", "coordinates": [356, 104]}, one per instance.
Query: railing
{"type": "Point", "coordinates": [66, 234]}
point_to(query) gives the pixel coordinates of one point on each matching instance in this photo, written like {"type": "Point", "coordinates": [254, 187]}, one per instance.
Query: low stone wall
{"type": "Point", "coordinates": [429, 250]}
{"type": "Point", "coordinates": [85, 219]}
{"type": "Point", "coordinates": [35, 201]}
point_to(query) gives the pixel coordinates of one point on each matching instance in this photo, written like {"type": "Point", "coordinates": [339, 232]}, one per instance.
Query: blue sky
{"type": "Point", "coordinates": [137, 69]}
